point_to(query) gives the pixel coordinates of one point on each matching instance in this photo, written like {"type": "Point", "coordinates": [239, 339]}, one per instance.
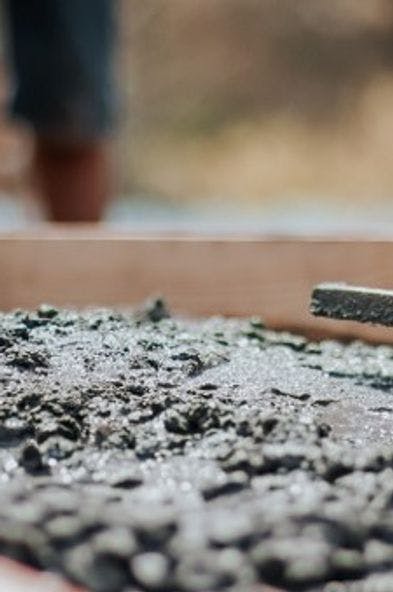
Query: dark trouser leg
{"type": "Point", "coordinates": [62, 53]}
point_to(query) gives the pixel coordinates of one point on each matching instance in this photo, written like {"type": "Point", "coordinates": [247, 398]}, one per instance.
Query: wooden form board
{"type": "Point", "coordinates": [198, 275]}
{"type": "Point", "coordinates": [15, 577]}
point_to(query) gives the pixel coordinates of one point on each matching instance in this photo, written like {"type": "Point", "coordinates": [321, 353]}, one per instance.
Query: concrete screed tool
{"type": "Point", "coordinates": [353, 303]}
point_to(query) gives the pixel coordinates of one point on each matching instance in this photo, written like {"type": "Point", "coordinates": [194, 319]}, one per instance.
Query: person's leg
{"type": "Point", "coordinates": [63, 64]}
{"type": "Point", "coordinates": [72, 179]}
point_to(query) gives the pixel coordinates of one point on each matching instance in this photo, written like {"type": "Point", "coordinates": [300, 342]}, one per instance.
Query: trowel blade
{"type": "Point", "coordinates": [353, 303]}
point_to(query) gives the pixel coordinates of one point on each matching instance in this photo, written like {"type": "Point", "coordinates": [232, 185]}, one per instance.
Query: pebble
{"type": "Point", "coordinates": [151, 570]}
{"type": "Point", "coordinates": [31, 458]}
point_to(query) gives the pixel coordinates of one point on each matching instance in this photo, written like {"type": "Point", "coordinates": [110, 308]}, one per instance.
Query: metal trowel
{"type": "Point", "coordinates": [353, 303]}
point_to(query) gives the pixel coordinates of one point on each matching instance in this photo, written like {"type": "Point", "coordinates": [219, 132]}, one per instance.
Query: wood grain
{"type": "Point", "coordinates": [198, 275]}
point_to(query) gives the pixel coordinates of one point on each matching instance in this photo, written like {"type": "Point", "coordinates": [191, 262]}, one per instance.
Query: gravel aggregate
{"type": "Point", "coordinates": [149, 453]}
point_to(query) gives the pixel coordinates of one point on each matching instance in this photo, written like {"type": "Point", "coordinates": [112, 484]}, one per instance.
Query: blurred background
{"type": "Point", "coordinates": [251, 115]}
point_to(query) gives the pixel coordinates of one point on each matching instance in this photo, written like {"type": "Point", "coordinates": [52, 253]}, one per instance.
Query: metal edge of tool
{"type": "Point", "coordinates": [353, 303]}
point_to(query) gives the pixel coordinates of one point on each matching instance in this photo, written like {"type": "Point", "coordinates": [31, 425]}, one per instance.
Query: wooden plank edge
{"type": "Point", "coordinates": [237, 276]}
{"type": "Point", "coordinates": [17, 577]}
{"type": "Point", "coordinates": [88, 232]}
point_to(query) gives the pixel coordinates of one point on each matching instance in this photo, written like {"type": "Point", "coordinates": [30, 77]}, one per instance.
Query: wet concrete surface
{"type": "Point", "coordinates": [143, 452]}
